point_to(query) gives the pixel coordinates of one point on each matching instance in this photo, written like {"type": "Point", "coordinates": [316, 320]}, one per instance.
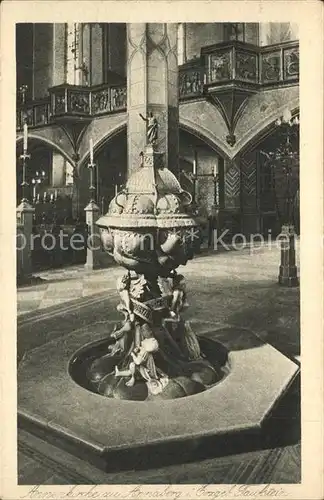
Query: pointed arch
{"type": "Point", "coordinates": [260, 114]}
{"type": "Point", "coordinates": [48, 142]}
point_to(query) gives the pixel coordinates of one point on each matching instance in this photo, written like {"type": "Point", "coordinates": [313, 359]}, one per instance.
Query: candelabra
{"type": "Point", "coordinates": [36, 181]}
{"type": "Point", "coordinates": [284, 163]}
{"type": "Point", "coordinates": [22, 93]}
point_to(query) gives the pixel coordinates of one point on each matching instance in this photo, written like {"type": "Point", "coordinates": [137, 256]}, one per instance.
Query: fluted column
{"type": "Point", "coordinates": [152, 87]}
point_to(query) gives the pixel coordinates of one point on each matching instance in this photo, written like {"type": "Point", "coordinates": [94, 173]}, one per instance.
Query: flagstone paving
{"type": "Point", "coordinates": [228, 289]}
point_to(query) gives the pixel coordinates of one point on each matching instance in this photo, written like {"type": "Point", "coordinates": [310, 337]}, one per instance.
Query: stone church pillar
{"type": "Point", "coordinates": [152, 87]}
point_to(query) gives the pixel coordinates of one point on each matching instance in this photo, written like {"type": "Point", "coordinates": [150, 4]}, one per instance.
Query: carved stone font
{"type": "Point", "coordinates": [153, 353]}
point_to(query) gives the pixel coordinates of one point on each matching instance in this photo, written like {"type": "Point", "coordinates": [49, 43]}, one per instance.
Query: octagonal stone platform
{"type": "Point", "coordinates": [52, 405]}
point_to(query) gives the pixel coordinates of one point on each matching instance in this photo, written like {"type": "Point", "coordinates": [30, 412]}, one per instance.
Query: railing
{"type": "Point", "coordinates": [35, 113]}
{"type": "Point", "coordinates": [279, 63]}
{"type": "Point", "coordinates": [239, 63]}
{"type": "Point", "coordinates": [85, 101]}
{"type": "Point", "coordinates": [72, 101]}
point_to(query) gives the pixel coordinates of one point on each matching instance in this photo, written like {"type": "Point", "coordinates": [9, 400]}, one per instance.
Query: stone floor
{"type": "Point", "coordinates": [229, 288]}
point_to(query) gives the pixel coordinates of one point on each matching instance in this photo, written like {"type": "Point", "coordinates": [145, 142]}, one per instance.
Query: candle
{"type": "Point", "coordinates": [194, 167]}
{"type": "Point", "coordinates": [215, 170]}
{"type": "Point", "coordinates": [91, 151]}
{"type": "Point", "coordinates": [116, 189]}
{"type": "Point", "coordinates": [25, 137]}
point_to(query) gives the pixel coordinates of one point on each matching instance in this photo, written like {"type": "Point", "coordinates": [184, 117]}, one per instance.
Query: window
{"type": "Point", "coordinates": [242, 32]}
{"type": "Point", "coordinates": [234, 31]}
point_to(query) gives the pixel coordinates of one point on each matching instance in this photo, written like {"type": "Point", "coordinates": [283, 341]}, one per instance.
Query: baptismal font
{"type": "Point", "coordinates": [154, 352]}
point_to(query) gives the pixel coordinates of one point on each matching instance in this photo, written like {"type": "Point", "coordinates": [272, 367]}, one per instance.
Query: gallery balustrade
{"type": "Point", "coordinates": [70, 101]}
{"type": "Point", "coordinates": [238, 63]}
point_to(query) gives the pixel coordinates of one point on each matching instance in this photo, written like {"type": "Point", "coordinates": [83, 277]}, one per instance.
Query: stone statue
{"type": "Point", "coordinates": [152, 128]}
{"type": "Point", "coordinates": [178, 294]}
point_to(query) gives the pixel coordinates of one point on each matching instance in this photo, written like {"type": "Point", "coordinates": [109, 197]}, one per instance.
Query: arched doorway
{"type": "Point", "coordinates": [270, 185]}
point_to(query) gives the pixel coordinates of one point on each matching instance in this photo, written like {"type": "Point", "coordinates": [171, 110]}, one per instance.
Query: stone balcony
{"type": "Point", "coordinates": [241, 65]}
{"type": "Point", "coordinates": [72, 103]}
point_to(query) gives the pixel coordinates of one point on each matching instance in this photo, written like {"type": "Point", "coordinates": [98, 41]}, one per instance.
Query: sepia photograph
{"type": "Point", "coordinates": [158, 223]}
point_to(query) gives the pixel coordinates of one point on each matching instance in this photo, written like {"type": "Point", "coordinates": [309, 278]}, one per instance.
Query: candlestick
{"type": "Point", "coordinates": [25, 146]}
{"type": "Point", "coordinates": [91, 150]}
{"type": "Point", "coordinates": [92, 188]}
{"type": "Point", "coordinates": [24, 157]}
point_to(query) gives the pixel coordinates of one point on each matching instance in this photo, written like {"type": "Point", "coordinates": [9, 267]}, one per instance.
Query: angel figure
{"type": "Point", "coordinates": [142, 361]}
{"type": "Point", "coordinates": [123, 285]}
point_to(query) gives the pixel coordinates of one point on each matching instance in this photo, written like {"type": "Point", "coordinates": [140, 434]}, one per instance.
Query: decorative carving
{"type": "Point", "coordinates": [291, 63]}
{"type": "Point", "coordinates": [190, 83]}
{"type": "Point", "coordinates": [248, 179]}
{"type": "Point", "coordinates": [79, 102]}
{"type": "Point", "coordinates": [271, 66]}
{"type": "Point", "coordinates": [118, 98]}
{"type": "Point", "coordinates": [246, 66]}
{"type": "Point", "coordinates": [59, 103]}
{"type": "Point", "coordinates": [231, 139]}
{"type": "Point", "coordinates": [151, 235]}
{"type": "Point", "coordinates": [220, 67]}
{"type": "Point", "coordinates": [100, 101]}
{"type": "Point", "coordinates": [232, 185]}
